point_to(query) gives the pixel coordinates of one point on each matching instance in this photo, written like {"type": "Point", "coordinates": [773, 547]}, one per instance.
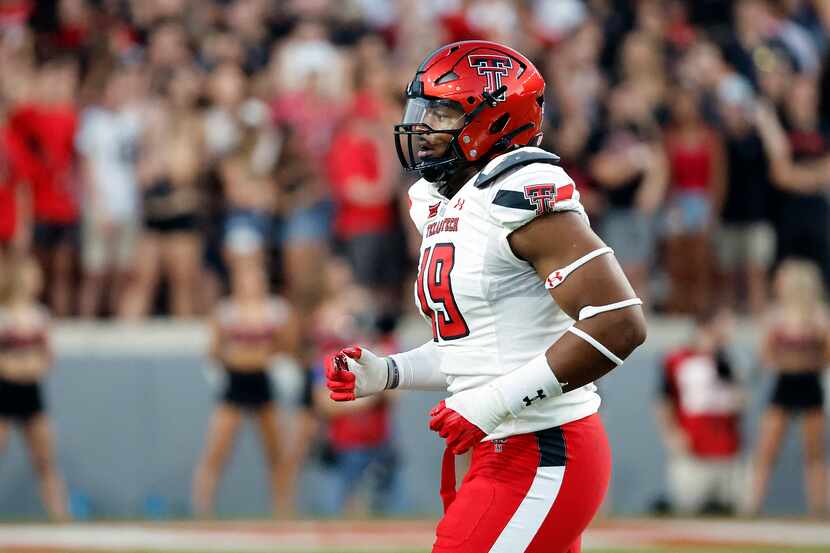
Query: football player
{"type": "Point", "coordinates": [528, 308]}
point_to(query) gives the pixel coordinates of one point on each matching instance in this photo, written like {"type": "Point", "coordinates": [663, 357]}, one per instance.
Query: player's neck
{"type": "Point", "coordinates": [456, 181]}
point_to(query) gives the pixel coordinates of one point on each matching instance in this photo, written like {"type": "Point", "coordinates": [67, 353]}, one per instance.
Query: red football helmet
{"type": "Point", "coordinates": [487, 96]}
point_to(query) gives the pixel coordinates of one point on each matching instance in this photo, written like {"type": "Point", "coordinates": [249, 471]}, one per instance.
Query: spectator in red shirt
{"type": "Point", "coordinates": [359, 434]}
{"type": "Point", "coordinates": [696, 165]}
{"type": "Point", "coordinates": [47, 126]}
{"type": "Point", "coordinates": [360, 169]}
{"type": "Point", "coordinates": [699, 414]}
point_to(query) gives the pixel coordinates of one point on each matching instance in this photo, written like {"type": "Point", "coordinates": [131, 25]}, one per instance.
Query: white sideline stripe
{"type": "Point", "coordinates": [130, 538]}
{"type": "Point", "coordinates": [532, 511]}
{"type": "Point", "coordinates": [633, 535]}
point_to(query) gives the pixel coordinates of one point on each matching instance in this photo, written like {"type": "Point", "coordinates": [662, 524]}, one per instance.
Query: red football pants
{"type": "Point", "coordinates": [532, 493]}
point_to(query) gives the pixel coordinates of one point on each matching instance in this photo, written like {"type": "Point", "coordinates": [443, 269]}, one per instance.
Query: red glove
{"type": "Point", "coordinates": [459, 433]}
{"type": "Point", "coordinates": [339, 380]}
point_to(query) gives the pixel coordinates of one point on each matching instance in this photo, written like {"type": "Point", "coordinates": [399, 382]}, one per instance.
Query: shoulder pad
{"type": "Point", "coordinates": [513, 161]}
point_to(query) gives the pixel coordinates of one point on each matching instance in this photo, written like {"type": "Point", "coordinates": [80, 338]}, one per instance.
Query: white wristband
{"type": "Point", "coordinates": [530, 382]}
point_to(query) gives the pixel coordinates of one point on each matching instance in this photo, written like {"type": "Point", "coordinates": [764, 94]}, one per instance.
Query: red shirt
{"type": "Point", "coordinates": [355, 156]}
{"type": "Point", "coordinates": [12, 174]}
{"type": "Point", "coordinates": [705, 402]}
{"type": "Point", "coordinates": [691, 164]}
{"type": "Point", "coordinates": [368, 428]}
{"type": "Point", "coordinates": [312, 118]}
{"type": "Point", "coordinates": [49, 135]}
{"type": "Point", "coordinates": [15, 14]}
{"type": "Point", "coordinates": [457, 27]}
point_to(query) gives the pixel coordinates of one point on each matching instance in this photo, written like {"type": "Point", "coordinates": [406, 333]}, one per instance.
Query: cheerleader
{"type": "Point", "coordinates": [25, 358]}
{"type": "Point", "coordinates": [248, 329]}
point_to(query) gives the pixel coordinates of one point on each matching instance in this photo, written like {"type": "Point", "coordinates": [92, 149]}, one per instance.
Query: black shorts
{"type": "Point", "coordinates": [50, 235]}
{"type": "Point", "coordinates": [20, 402]}
{"type": "Point", "coordinates": [307, 396]}
{"type": "Point", "coordinates": [247, 390]}
{"type": "Point", "coordinates": [186, 222]}
{"type": "Point", "coordinates": [798, 391]}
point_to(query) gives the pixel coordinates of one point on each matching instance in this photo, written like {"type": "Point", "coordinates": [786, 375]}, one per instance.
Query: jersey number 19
{"type": "Point", "coordinates": [435, 296]}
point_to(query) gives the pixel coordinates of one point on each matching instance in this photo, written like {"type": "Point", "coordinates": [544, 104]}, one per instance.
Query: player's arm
{"type": "Point", "coordinates": [356, 372]}
{"type": "Point", "coordinates": [589, 285]}
{"type": "Point", "coordinates": [555, 241]}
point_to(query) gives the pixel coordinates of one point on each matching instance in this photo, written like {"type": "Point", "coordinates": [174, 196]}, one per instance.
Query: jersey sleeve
{"type": "Point", "coordinates": [533, 190]}
{"type": "Point", "coordinates": [420, 201]}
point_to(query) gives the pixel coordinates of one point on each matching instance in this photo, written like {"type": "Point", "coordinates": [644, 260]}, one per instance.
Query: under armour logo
{"type": "Point", "coordinates": [540, 394]}
{"type": "Point", "coordinates": [554, 279]}
{"type": "Point", "coordinates": [459, 204]}
{"type": "Point", "coordinates": [493, 67]}
{"type": "Point", "coordinates": [543, 196]}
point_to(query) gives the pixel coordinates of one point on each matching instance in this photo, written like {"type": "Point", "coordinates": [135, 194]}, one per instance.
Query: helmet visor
{"type": "Point", "coordinates": [425, 135]}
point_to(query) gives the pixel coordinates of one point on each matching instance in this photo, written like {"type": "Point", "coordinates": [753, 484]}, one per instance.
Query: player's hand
{"type": "Point", "coordinates": [355, 372]}
{"type": "Point", "coordinates": [459, 433]}
{"type": "Point", "coordinates": [466, 417]}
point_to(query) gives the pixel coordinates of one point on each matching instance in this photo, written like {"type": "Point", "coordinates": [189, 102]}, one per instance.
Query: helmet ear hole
{"type": "Point", "coordinates": [499, 124]}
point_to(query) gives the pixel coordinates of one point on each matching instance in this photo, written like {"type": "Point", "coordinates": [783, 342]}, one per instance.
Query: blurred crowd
{"type": "Point", "coordinates": [151, 147]}
{"type": "Point", "coordinates": [158, 155]}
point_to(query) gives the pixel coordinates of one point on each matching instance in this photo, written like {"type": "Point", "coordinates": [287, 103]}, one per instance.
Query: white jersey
{"type": "Point", "coordinates": [489, 310]}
